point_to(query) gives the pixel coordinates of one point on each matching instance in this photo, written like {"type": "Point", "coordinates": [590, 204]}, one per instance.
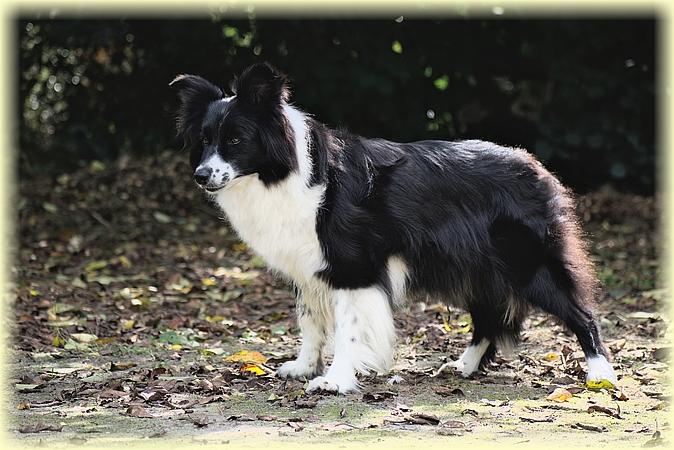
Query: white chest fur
{"type": "Point", "coordinates": [278, 223]}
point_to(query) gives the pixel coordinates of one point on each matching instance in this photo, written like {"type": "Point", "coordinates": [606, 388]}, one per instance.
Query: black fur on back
{"type": "Point", "coordinates": [479, 225]}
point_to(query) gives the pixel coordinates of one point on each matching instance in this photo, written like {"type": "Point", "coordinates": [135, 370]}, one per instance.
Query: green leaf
{"type": "Point", "coordinates": [442, 83]}
{"type": "Point", "coordinates": [171, 337]}
{"type": "Point", "coordinates": [96, 265]}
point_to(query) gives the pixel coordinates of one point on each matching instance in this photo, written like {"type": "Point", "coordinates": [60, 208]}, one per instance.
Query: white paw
{"type": "Point", "coordinates": [329, 385]}
{"type": "Point", "coordinates": [459, 366]}
{"type": "Point", "coordinates": [598, 369]}
{"type": "Point", "coordinates": [297, 369]}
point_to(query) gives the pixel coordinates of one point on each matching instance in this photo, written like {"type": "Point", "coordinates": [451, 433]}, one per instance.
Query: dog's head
{"type": "Point", "coordinates": [229, 137]}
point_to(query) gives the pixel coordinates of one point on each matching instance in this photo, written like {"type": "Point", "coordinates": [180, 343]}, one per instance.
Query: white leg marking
{"type": "Point", "coordinates": [598, 368]}
{"type": "Point", "coordinates": [314, 325]}
{"type": "Point", "coordinates": [398, 275]}
{"type": "Point", "coordinates": [469, 360]}
{"type": "Point", "coordinates": [364, 339]}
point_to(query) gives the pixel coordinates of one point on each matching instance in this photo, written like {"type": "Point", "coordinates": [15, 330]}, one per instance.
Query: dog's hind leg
{"type": "Point", "coordinates": [489, 328]}
{"type": "Point", "coordinates": [364, 338]}
{"type": "Point", "coordinates": [545, 293]}
{"type": "Point", "coordinates": [314, 318]}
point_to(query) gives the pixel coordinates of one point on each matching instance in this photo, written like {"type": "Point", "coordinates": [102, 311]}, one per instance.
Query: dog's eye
{"type": "Point", "coordinates": [233, 141]}
{"type": "Point", "coordinates": [205, 141]}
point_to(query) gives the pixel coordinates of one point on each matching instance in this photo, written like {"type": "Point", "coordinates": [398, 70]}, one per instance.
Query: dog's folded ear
{"type": "Point", "coordinates": [195, 95]}
{"type": "Point", "coordinates": [261, 86]}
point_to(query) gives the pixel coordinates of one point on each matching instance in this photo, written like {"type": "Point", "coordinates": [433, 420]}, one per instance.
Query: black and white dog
{"type": "Point", "coordinates": [361, 225]}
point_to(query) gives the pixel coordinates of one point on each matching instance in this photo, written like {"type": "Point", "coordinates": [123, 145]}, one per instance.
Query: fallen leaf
{"type": "Point", "coordinates": [658, 407]}
{"type": "Point", "coordinates": [601, 409]}
{"type": "Point", "coordinates": [246, 356]}
{"type": "Point", "coordinates": [377, 396]}
{"type": "Point", "coordinates": [446, 392]}
{"type": "Point", "coordinates": [38, 427]}
{"type": "Point", "coordinates": [537, 420]}
{"type": "Point", "coordinates": [198, 421]}
{"type": "Point", "coordinates": [21, 387]}
{"type": "Point", "coordinates": [599, 384]}
{"type": "Point", "coordinates": [161, 217]}
{"type": "Point", "coordinates": [138, 411]}
{"type": "Point", "coordinates": [619, 395]}
{"type": "Point", "coordinates": [114, 366]}
{"type": "Point", "coordinates": [265, 418]}
{"type": "Point", "coordinates": [253, 368]}
{"type": "Point", "coordinates": [301, 403]}
{"type": "Point", "coordinates": [84, 338]}
{"type": "Point", "coordinates": [471, 412]}
{"type": "Point", "coordinates": [422, 419]}
{"type": "Point", "coordinates": [583, 426]}
{"type": "Point", "coordinates": [559, 395]}
{"type": "Point", "coordinates": [552, 356]}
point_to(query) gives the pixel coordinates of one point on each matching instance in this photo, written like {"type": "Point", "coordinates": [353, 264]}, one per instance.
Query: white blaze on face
{"type": "Point", "coordinates": [221, 171]}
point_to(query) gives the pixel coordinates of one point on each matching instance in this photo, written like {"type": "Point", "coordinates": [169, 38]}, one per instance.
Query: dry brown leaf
{"type": "Point", "coordinates": [138, 411]}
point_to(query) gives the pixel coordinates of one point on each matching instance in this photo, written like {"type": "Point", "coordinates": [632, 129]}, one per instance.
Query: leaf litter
{"type": "Point", "coordinates": [176, 319]}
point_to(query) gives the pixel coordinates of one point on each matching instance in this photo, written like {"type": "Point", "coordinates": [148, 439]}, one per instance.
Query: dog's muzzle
{"type": "Point", "coordinates": [209, 180]}
{"type": "Point", "coordinates": [203, 175]}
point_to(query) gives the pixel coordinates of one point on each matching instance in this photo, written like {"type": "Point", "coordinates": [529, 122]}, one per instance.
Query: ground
{"type": "Point", "coordinates": [138, 314]}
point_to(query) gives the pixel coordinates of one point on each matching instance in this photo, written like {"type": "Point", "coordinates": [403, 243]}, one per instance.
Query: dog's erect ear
{"type": "Point", "coordinates": [261, 86]}
{"type": "Point", "coordinates": [195, 95]}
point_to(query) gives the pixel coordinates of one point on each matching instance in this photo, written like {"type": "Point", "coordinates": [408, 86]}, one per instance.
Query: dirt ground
{"type": "Point", "coordinates": [139, 315]}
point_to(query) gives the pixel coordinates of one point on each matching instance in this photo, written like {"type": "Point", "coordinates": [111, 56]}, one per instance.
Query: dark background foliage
{"type": "Point", "coordinates": [580, 94]}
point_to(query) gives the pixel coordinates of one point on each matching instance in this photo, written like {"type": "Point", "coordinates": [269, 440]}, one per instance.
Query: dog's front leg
{"type": "Point", "coordinates": [313, 322]}
{"type": "Point", "coordinates": [364, 338]}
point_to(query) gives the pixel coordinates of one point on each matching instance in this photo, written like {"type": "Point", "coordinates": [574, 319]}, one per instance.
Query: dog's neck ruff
{"type": "Point", "coordinates": [279, 222]}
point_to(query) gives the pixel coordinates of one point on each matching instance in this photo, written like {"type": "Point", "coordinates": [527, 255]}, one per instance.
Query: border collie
{"type": "Point", "coordinates": [360, 225]}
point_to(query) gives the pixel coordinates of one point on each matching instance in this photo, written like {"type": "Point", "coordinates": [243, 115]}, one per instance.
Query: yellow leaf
{"type": "Point", "coordinates": [599, 384]}
{"type": "Point", "coordinates": [124, 261]}
{"type": "Point", "coordinates": [445, 324]}
{"type": "Point", "coordinates": [96, 265]}
{"type": "Point", "coordinates": [246, 356]}
{"type": "Point", "coordinates": [552, 356]}
{"type": "Point", "coordinates": [559, 395]}
{"type": "Point", "coordinates": [106, 340]}
{"type": "Point", "coordinates": [239, 247]}
{"type": "Point", "coordinates": [58, 341]}
{"type": "Point", "coordinates": [176, 347]}
{"type": "Point", "coordinates": [23, 405]}
{"type": "Point", "coordinates": [33, 293]}
{"type": "Point", "coordinates": [464, 329]}
{"type": "Point", "coordinates": [208, 282]}
{"type": "Point", "coordinates": [128, 324]}
{"type": "Point", "coordinates": [253, 368]}
{"type": "Point", "coordinates": [214, 319]}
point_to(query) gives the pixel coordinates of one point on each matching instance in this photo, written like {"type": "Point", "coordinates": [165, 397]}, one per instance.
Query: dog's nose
{"type": "Point", "coordinates": [202, 175]}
